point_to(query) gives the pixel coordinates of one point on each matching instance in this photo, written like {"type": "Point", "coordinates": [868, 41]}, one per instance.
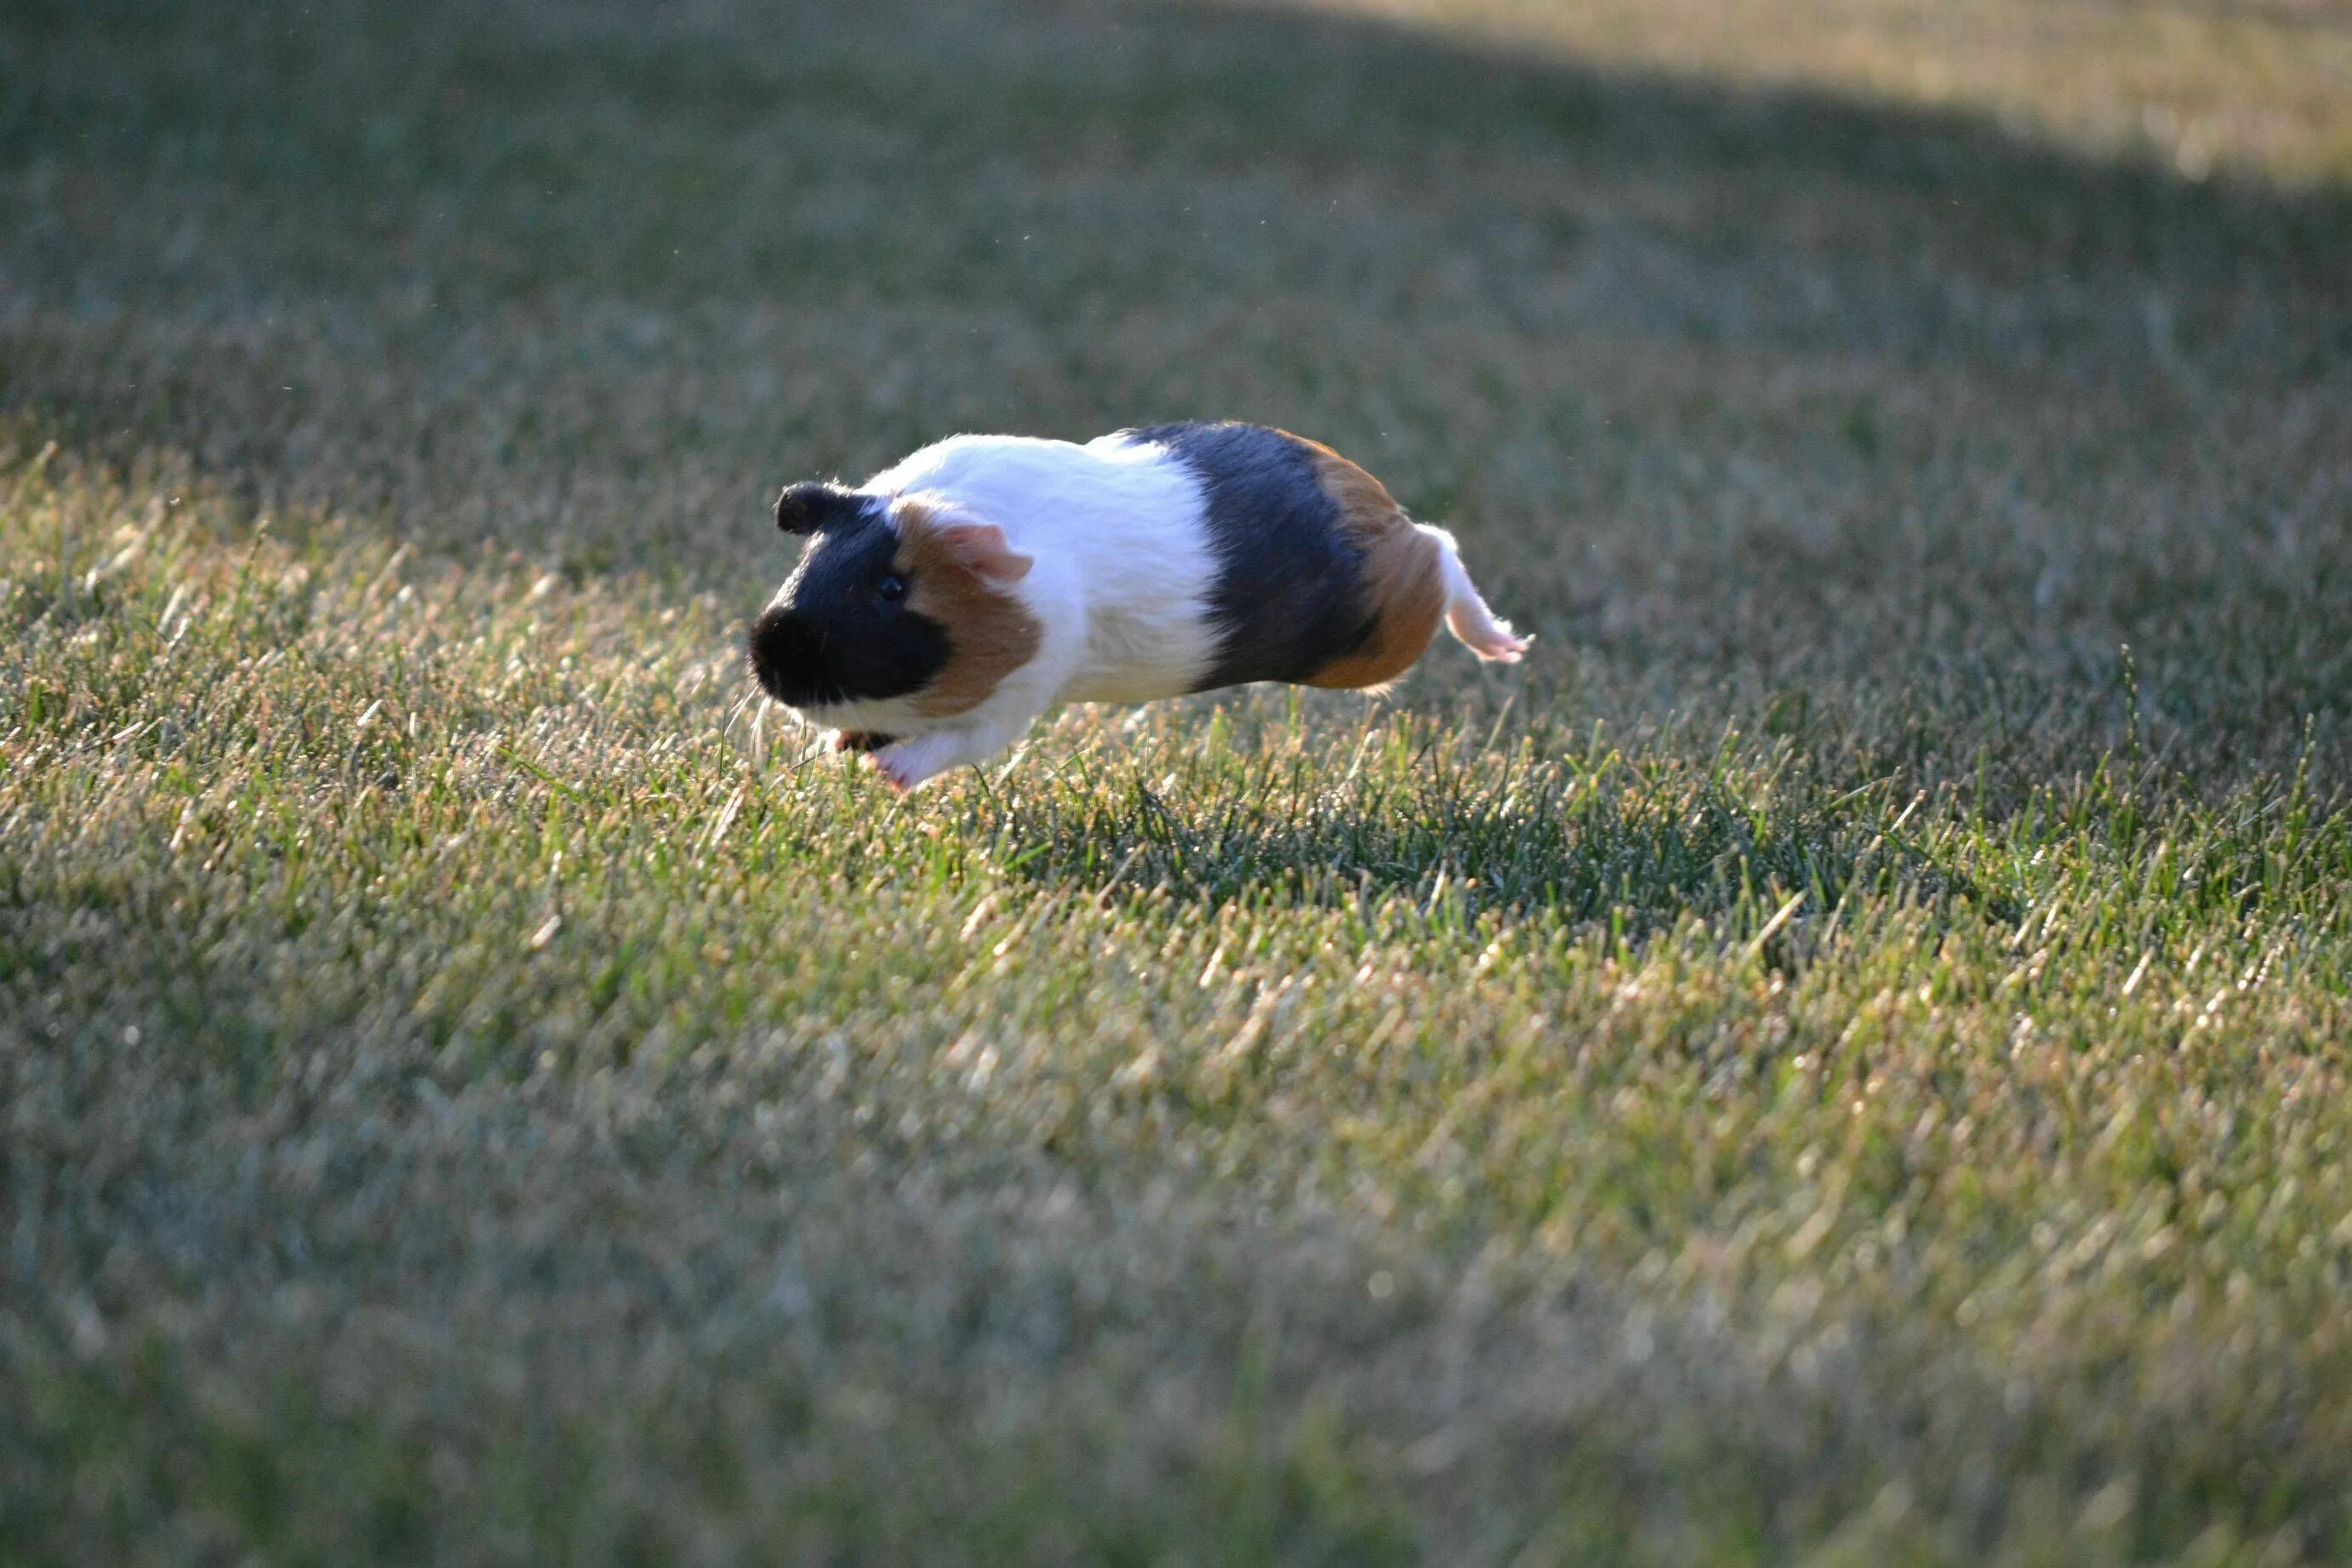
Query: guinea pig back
{"type": "Point", "coordinates": [1169, 559]}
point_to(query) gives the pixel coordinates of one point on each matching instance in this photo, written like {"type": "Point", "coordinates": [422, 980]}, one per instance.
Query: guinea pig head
{"type": "Point", "coordinates": [893, 599]}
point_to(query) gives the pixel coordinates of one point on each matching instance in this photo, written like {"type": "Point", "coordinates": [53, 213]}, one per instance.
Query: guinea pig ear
{"type": "Point", "coordinates": [809, 506]}
{"type": "Point", "coordinates": [981, 548]}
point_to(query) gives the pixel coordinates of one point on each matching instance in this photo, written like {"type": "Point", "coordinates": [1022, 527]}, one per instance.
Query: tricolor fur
{"type": "Point", "coordinates": [946, 603]}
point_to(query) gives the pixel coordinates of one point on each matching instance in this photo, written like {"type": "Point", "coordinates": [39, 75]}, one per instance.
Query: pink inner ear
{"type": "Point", "coordinates": [981, 547]}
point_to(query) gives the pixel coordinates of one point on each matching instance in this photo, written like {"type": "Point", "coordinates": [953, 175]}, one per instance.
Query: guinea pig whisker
{"type": "Point", "coordinates": [727, 731]}
{"type": "Point", "coordinates": [1183, 558]}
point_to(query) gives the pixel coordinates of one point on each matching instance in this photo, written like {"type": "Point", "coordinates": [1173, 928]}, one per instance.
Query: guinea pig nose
{"type": "Point", "coordinates": [790, 660]}
{"type": "Point", "coordinates": [784, 650]}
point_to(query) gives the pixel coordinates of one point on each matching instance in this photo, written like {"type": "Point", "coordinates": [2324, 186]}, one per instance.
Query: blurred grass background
{"type": "Point", "coordinates": [1838, 1060]}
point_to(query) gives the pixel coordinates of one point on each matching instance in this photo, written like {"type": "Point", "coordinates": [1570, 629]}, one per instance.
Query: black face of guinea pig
{"type": "Point", "coordinates": [842, 631]}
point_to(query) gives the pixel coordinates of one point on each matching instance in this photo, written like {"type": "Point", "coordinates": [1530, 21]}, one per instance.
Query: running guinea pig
{"type": "Point", "coordinates": [943, 605]}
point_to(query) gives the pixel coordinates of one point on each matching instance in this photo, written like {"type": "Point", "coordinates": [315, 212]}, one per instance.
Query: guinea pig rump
{"type": "Point", "coordinates": [1401, 571]}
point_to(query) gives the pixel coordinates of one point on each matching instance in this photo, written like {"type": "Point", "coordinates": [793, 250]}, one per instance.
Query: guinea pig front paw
{"type": "Point", "coordinates": [906, 764]}
{"type": "Point", "coordinates": [859, 740]}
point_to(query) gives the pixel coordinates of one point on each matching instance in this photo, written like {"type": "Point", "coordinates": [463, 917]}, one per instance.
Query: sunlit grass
{"type": "Point", "coordinates": [2209, 87]}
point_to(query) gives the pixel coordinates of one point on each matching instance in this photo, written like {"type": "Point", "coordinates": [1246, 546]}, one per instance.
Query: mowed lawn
{"type": "Point", "coordinates": [1839, 1058]}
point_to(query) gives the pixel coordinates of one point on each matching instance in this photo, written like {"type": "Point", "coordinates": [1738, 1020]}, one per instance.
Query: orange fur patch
{"type": "Point", "coordinates": [1404, 587]}
{"type": "Point", "coordinates": [990, 633]}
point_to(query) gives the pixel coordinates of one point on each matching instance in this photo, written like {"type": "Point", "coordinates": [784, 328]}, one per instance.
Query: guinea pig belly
{"type": "Point", "coordinates": [1140, 651]}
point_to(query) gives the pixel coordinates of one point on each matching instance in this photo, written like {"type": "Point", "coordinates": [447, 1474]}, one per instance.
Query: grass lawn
{"type": "Point", "coordinates": [1841, 1058]}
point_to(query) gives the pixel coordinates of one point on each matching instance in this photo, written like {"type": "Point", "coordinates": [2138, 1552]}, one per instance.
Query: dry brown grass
{"type": "Point", "coordinates": [2206, 87]}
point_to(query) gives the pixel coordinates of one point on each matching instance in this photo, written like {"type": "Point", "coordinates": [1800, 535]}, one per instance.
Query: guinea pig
{"type": "Point", "coordinates": [942, 606]}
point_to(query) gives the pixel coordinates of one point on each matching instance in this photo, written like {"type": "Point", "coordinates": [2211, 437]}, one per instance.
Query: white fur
{"type": "Point", "coordinates": [1123, 570]}
{"type": "Point", "coordinates": [1467, 616]}
{"type": "Point", "coordinates": [1120, 590]}
{"type": "Point", "coordinates": [1123, 565]}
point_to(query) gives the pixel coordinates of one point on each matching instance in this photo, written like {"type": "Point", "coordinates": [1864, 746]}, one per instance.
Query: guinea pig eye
{"type": "Point", "coordinates": [891, 589]}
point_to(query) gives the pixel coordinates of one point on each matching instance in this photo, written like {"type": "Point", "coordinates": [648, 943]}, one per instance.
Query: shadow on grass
{"type": "Point", "coordinates": [1621, 847]}
{"type": "Point", "coordinates": [1316, 92]}
{"type": "Point", "coordinates": [874, 164]}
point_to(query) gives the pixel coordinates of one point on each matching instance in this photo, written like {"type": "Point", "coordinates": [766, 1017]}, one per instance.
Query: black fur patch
{"type": "Point", "coordinates": [831, 637]}
{"type": "Point", "coordinates": [1288, 598]}
{"type": "Point", "coordinates": [811, 505]}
